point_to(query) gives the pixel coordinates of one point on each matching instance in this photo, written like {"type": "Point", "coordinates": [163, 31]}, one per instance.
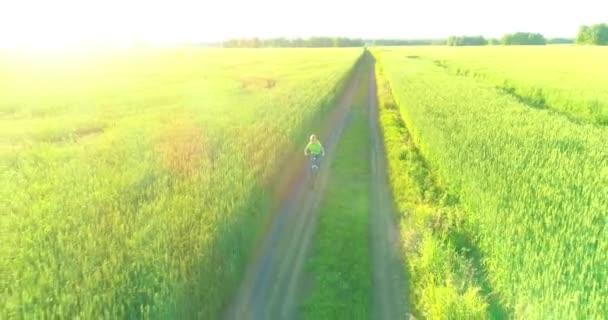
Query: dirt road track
{"type": "Point", "coordinates": [273, 284]}
{"type": "Point", "coordinates": [388, 281]}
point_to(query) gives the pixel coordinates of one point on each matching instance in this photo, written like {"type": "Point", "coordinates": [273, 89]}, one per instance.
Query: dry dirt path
{"type": "Point", "coordinates": [388, 283]}
{"type": "Point", "coordinates": [274, 282]}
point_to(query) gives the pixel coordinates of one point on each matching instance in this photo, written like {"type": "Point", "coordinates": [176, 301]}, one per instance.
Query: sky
{"type": "Point", "coordinates": [64, 23]}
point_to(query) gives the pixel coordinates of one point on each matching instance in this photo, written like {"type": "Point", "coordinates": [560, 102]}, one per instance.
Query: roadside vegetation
{"type": "Point", "coordinates": [444, 271]}
{"type": "Point", "coordinates": [529, 188]}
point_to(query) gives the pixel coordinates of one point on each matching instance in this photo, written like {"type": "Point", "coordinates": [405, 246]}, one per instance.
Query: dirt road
{"type": "Point", "coordinates": [275, 283]}
{"type": "Point", "coordinates": [272, 285]}
{"type": "Point", "coordinates": [388, 281]}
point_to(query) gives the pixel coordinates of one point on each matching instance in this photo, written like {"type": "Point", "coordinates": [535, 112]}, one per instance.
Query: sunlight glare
{"type": "Point", "coordinates": [70, 24]}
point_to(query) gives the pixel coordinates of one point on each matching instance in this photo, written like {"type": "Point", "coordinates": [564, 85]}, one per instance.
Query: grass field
{"type": "Point", "coordinates": [133, 185]}
{"type": "Point", "coordinates": [137, 183]}
{"type": "Point", "coordinates": [531, 184]}
{"type": "Point", "coordinates": [567, 79]}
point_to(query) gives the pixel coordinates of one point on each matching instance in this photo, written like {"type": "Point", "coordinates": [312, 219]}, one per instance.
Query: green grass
{"type": "Point", "coordinates": [533, 184]}
{"type": "Point", "coordinates": [446, 280]}
{"type": "Point", "coordinates": [340, 264]}
{"type": "Point", "coordinates": [569, 79]}
{"type": "Point", "coordinates": [133, 183]}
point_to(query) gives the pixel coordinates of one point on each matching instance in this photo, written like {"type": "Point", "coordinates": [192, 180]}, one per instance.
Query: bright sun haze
{"type": "Point", "coordinates": [69, 23]}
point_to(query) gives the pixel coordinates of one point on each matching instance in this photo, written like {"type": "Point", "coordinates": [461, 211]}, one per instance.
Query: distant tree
{"type": "Point", "coordinates": [320, 42]}
{"type": "Point", "coordinates": [466, 41]}
{"type": "Point", "coordinates": [438, 42]}
{"type": "Point", "coordinates": [244, 43]}
{"type": "Point", "coordinates": [596, 34]}
{"type": "Point", "coordinates": [255, 43]}
{"type": "Point", "coordinates": [348, 42]}
{"type": "Point", "coordinates": [493, 42]}
{"type": "Point", "coordinates": [314, 42]}
{"type": "Point", "coordinates": [523, 38]}
{"type": "Point", "coordinates": [406, 42]}
{"type": "Point", "coordinates": [560, 41]}
{"type": "Point", "coordinates": [299, 43]}
{"type": "Point", "coordinates": [230, 43]}
{"type": "Point", "coordinates": [601, 34]}
{"type": "Point", "coordinates": [281, 42]}
{"type": "Point", "coordinates": [584, 35]}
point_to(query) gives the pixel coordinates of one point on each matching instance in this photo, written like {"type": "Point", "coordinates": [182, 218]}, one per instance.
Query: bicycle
{"type": "Point", "coordinates": [315, 163]}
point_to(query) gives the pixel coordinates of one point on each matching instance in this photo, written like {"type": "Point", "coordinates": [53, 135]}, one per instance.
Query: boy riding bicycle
{"type": "Point", "coordinates": [315, 149]}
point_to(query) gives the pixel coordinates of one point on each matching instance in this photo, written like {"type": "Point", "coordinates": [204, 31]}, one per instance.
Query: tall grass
{"type": "Point", "coordinates": [445, 280]}
{"type": "Point", "coordinates": [132, 185]}
{"type": "Point", "coordinates": [568, 79]}
{"type": "Point", "coordinates": [534, 185]}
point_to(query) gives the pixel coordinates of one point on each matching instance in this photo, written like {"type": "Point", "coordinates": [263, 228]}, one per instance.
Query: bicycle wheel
{"type": "Point", "coordinates": [314, 170]}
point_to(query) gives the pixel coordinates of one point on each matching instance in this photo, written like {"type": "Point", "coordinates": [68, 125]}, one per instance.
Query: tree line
{"type": "Point", "coordinates": [406, 42]}
{"type": "Point", "coordinates": [466, 41]}
{"type": "Point", "coordinates": [314, 42]}
{"type": "Point", "coordinates": [324, 42]}
{"type": "Point", "coordinates": [523, 38]}
{"type": "Point", "coordinates": [510, 39]}
{"type": "Point", "coordinates": [596, 34]}
{"type": "Point", "coordinates": [519, 38]}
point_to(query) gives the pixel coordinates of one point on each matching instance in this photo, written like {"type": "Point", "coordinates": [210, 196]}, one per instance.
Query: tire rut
{"type": "Point", "coordinates": [388, 277]}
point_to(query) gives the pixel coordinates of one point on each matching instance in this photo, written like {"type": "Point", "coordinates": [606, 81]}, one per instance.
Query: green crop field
{"type": "Point", "coordinates": [567, 79]}
{"type": "Point", "coordinates": [503, 204]}
{"type": "Point", "coordinates": [133, 184]}
{"type": "Point", "coordinates": [168, 183]}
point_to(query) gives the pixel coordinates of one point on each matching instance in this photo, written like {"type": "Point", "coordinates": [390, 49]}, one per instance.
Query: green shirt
{"type": "Point", "coordinates": [314, 148]}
